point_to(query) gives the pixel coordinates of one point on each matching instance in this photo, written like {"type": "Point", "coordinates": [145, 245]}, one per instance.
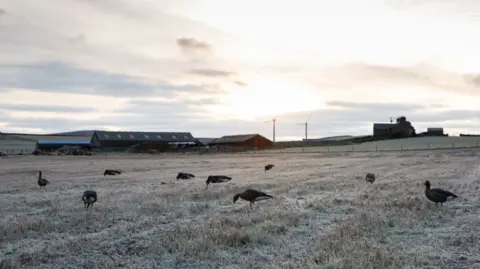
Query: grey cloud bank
{"type": "Point", "coordinates": [193, 44]}
{"type": "Point", "coordinates": [358, 120]}
{"type": "Point", "coordinates": [44, 108]}
{"type": "Point", "coordinates": [425, 76]}
{"type": "Point", "coordinates": [211, 72]}
{"type": "Point", "coordinates": [62, 77]}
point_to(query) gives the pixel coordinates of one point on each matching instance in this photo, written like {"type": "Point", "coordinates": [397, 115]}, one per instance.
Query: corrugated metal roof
{"type": "Point", "coordinates": [63, 142]}
{"type": "Point", "coordinates": [383, 125]}
{"type": "Point", "coordinates": [233, 139]}
{"type": "Point", "coordinates": [145, 136]}
{"type": "Point", "coordinates": [206, 141]}
{"type": "Point", "coordinates": [47, 137]}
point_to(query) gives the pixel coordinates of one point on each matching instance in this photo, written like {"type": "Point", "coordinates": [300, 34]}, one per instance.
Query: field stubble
{"type": "Point", "coordinates": [323, 215]}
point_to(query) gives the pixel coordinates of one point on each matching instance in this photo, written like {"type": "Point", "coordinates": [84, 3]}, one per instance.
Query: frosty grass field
{"type": "Point", "coordinates": [323, 215]}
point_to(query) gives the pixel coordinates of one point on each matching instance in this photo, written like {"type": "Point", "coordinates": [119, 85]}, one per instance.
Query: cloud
{"type": "Point", "coordinates": [373, 106]}
{"type": "Point", "coordinates": [211, 72]}
{"type": "Point", "coordinates": [472, 80]}
{"type": "Point", "coordinates": [141, 49]}
{"type": "Point", "coordinates": [240, 83]}
{"type": "Point", "coordinates": [169, 108]}
{"type": "Point", "coordinates": [2, 11]}
{"type": "Point", "coordinates": [383, 80]}
{"type": "Point", "coordinates": [193, 44]}
{"type": "Point", "coordinates": [79, 39]}
{"type": "Point", "coordinates": [194, 49]}
{"type": "Point", "coordinates": [50, 124]}
{"type": "Point", "coordinates": [45, 108]}
{"type": "Point", "coordinates": [400, 4]}
{"type": "Point", "coordinates": [437, 106]}
{"type": "Point", "coordinates": [63, 77]}
{"type": "Point", "coordinates": [350, 113]}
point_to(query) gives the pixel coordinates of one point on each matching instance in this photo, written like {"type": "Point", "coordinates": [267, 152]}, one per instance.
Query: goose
{"type": "Point", "coordinates": [437, 195]}
{"type": "Point", "coordinates": [182, 175]}
{"type": "Point", "coordinates": [89, 197]}
{"type": "Point", "coordinates": [217, 179]}
{"type": "Point", "coordinates": [268, 167]}
{"type": "Point", "coordinates": [252, 196]}
{"type": "Point", "coordinates": [370, 177]}
{"type": "Point", "coordinates": [111, 172]}
{"type": "Point", "coordinates": [42, 182]}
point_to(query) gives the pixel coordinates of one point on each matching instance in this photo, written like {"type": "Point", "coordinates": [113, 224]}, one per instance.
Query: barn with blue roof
{"type": "Point", "coordinates": [49, 145]}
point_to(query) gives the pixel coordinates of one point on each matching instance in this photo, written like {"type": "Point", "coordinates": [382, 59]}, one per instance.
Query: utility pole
{"type": "Point", "coordinates": [274, 120]}
{"type": "Point", "coordinates": [306, 131]}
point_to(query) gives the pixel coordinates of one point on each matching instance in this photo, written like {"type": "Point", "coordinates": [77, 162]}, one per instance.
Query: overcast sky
{"type": "Point", "coordinates": [216, 67]}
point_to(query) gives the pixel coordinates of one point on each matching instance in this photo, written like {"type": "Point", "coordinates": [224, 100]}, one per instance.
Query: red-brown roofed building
{"type": "Point", "coordinates": [249, 141]}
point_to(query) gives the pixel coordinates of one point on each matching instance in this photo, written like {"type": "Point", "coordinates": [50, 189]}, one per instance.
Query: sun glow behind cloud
{"type": "Point", "coordinates": [270, 97]}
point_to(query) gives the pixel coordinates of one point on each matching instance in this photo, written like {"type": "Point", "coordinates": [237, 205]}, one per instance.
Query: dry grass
{"type": "Point", "coordinates": [322, 216]}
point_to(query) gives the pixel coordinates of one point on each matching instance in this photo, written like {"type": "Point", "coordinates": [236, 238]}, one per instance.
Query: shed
{"type": "Point", "coordinates": [382, 129]}
{"type": "Point", "coordinates": [56, 144]}
{"type": "Point", "coordinates": [435, 131]}
{"type": "Point", "coordinates": [250, 141]}
{"type": "Point", "coordinates": [122, 140]}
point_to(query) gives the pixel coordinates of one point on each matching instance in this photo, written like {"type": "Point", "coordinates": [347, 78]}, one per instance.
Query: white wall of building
{"type": "Point", "coordinates": [17, 146]}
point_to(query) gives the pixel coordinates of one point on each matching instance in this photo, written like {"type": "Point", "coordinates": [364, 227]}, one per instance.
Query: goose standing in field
{"type": "Point", "coordinates": [268, 167]}
{"type": "Point", "coordinates": [89, 198]}
{"type": "Point", "coordinates": [252, 196]}
{"type": "Point", "coordinates": [111, 172]}
{"type": "Point", "coordinates": [437, 195]}
{"type": "Point", "coordinates": [370, 177]}
{"type": "Point", "coordinates": [217, 179]}
{"type": "Point", "coordinates": [42, 182]}
{"type": "Point", "coordinates": [182, 175]}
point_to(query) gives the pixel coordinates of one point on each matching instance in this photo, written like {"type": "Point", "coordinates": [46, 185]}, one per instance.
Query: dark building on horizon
{"type": "Point", "coordinates": [435, 131]}
{"type": "Point", "coordinates": [402, 128]}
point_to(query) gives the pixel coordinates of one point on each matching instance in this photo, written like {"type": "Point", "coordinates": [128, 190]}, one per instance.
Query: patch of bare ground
{"type": "Point", "coordinates": [324, 215]}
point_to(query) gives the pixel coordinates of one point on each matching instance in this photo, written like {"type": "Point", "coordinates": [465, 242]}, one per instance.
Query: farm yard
{"type": "Point", "coordinates": [323, 215]}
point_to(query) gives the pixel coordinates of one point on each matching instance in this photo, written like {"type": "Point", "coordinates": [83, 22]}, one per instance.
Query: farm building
{"type": "Point", "coordinates": [382, 129]}
{"type": "Point", "coordinates": [435, 131]}
{"type": "Point", "coordinates": [111, 140]}
{"type": "Point", "coordinates": [51, 145]}
{"type": "Point", "coordinates": [13, 143]}
{"type": "Point", "coordinates": [247, 141]}
{"type": "Point", "coordinates": [402, 128]}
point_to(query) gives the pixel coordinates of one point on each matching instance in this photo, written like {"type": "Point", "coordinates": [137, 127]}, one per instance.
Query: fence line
{"type": "Point", "coordinates": [323, 149]}
{"type": "Point", "coordinates": [16, 150]}
{"type": "Point", "coordinates": [376, 148]}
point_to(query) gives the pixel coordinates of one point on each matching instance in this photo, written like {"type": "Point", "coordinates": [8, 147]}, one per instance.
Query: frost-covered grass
{"type": "Point", "coordinates": [323, 215]}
